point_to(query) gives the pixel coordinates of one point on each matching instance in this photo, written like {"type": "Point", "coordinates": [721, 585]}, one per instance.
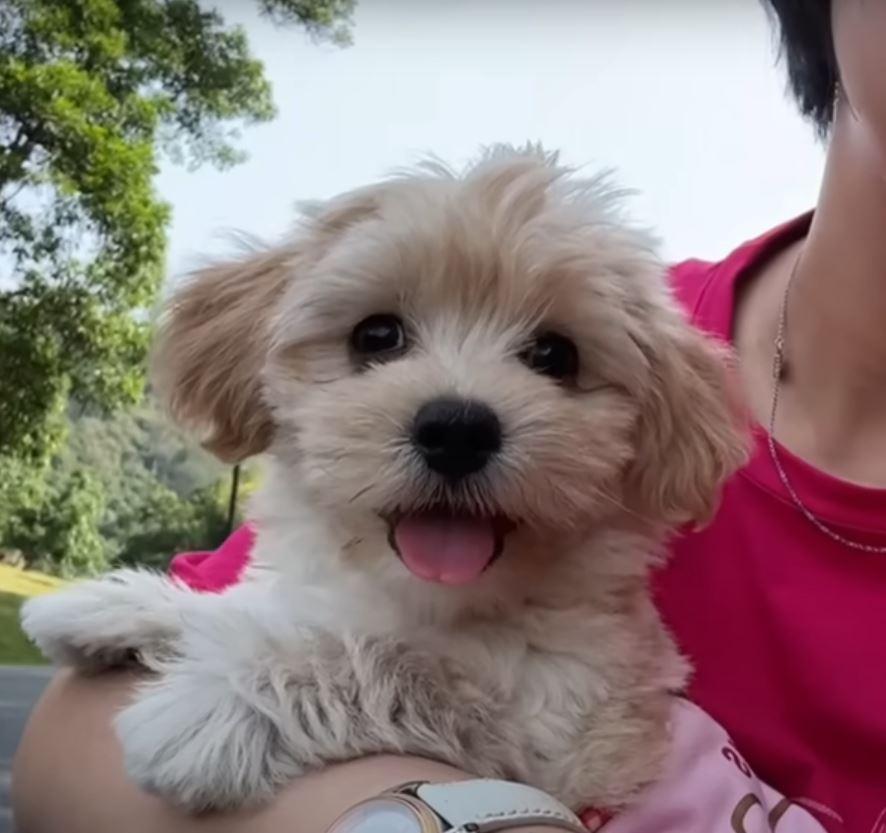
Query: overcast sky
{"type": "Point", "coordinates": [682, 97]}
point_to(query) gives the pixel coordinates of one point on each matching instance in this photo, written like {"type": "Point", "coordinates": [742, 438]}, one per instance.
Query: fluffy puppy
{"type": "Point", "coordinates": [481, 412]}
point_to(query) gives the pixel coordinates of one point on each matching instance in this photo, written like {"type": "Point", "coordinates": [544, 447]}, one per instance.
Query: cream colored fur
{"type": "Point", "coordinates": [553, 668]}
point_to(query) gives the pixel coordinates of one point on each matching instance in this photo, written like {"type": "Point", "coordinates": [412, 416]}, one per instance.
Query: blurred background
{"type": "Point", "coordinates": [137, 135]}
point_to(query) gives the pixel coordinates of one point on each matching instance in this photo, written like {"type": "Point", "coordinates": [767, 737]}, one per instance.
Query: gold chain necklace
{"type": "Point", "coordinates": [778, 367]}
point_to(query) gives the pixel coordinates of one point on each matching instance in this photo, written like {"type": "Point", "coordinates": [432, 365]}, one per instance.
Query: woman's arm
{"type": "Point", "coordinates": [68, 775]}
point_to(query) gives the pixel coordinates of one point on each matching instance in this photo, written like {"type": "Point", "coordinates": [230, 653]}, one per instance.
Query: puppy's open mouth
{"type": "Point", "coordinates": [446, 546]}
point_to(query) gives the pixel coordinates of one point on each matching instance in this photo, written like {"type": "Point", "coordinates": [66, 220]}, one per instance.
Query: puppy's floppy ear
{"type": "Point", "coordinates": [693, 431]}
{"type": "Point", "coordinates": [214, 335]}
{"type": "Point", "coordinates": [210, 347]}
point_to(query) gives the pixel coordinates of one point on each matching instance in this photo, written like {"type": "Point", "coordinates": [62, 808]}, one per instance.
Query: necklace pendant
{"type": "Point", "coordinates": [779, 369]}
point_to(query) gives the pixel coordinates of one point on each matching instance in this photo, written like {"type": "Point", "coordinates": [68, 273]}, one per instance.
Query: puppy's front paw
{"type": "Point", "coordinates": [104, 622]}
{"type": "Point", "coordinates": [194, 741]}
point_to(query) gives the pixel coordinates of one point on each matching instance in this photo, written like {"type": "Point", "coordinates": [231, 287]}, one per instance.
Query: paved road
{"type": "Point", "coordinates": [19, 689]}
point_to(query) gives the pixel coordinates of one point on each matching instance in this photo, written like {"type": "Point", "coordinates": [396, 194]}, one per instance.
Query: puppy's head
{"type": "Point", "coordinates": [451, 363]}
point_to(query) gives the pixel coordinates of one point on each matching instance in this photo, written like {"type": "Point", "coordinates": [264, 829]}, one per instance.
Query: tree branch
{"type": "Point", "coordinates": [20, 136]}
{"type": "Point", "coordinates": [13, 158]}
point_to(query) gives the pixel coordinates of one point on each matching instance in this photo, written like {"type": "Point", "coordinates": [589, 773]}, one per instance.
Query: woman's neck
{"type": "Point", "coordinates": [837, 305]}
{"type": "Point", "coordinates": [832, 407]}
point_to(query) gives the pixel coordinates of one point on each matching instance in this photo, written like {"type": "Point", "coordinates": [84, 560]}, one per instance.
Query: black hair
{"type": "Point", "coordinates": [807, 44]}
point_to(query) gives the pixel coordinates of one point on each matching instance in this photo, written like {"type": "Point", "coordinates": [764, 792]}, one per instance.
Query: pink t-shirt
{"type": "Point", "coordinates": [786, 628]}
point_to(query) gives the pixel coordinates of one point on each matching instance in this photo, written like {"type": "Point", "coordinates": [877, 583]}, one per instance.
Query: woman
{"type": "Point", "coordinates": [781, 602]}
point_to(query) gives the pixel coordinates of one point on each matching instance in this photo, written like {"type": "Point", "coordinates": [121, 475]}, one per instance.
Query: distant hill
{"type": "Point", "coordinates": [129, 488]}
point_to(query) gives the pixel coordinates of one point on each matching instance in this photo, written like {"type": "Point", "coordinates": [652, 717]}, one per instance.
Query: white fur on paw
{"type": "Point", "coordinates": [192, 740]}
{"type": "Point", "coordinates": [103, 622]}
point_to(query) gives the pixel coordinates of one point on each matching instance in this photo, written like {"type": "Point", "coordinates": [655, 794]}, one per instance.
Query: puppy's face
{"type": "Point", "coordinates": [459, 363]}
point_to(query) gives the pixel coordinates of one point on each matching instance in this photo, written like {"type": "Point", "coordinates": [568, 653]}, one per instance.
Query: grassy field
{"type": "Point", "coordinates": [15, 586]}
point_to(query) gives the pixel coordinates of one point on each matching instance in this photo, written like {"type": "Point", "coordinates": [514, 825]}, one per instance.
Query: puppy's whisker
{"type": "Point", "coordinates": [367, 488]}
{"type": "Point", "coordinates": [400, 441]}
{"type": "Point", "coordinates": [600, 493]}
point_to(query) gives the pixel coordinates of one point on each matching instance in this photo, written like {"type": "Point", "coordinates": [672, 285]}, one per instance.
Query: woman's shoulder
{"type": "Point", "coordinates": [689, 280]}
{"type": "Point", "coordinates": [707, 288]}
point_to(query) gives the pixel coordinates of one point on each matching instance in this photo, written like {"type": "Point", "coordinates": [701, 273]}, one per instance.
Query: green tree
{"type": "Point", "coordinates": [166, 524]}
{"type": "Point", "coordinates": [90, 91]}
{"type": "Point", "coordinates": [64, 528]}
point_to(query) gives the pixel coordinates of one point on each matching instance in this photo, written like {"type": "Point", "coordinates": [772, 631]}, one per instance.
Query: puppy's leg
{"type": "Point", "coordinates": [108, 621]}
{"type": "Point", "coordinates": [242, 711]}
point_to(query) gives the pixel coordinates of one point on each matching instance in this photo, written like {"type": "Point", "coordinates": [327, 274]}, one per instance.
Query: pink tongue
{"type": "Point", "coordinates": [445, 549]}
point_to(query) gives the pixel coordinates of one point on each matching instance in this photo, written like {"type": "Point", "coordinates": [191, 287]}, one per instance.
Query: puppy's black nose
{"type": "Point", "coordinates": [456, 437]}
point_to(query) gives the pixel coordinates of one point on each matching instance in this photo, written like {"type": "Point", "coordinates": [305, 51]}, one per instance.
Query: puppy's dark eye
{"type": "Point", "coordinates": [379, 336]}
{"type": "Point", "coordinates": [552, 355]}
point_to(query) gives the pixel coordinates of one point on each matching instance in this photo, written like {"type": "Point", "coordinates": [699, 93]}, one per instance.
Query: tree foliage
{"type": "Point", "coordinates": [63, 527]}
{"type": "Point", "coordinates": [91, 91]}
{"type": "Point", "coordinates": [324, 19]}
